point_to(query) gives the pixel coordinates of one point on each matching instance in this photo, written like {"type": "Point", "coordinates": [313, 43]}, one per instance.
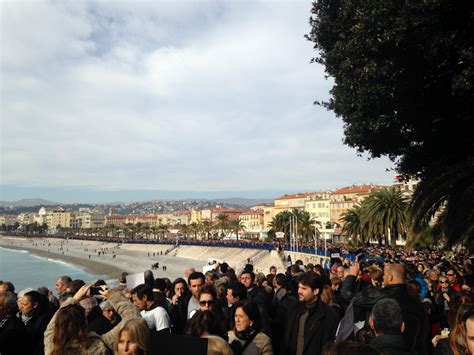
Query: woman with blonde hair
{"type": "Point", "coordinates": [133, 338]}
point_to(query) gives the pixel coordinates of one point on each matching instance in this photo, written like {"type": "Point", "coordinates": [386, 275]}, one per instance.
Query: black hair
{"type": "Point", "coordinates": [238, 290]}
{"type": "Point", "coordinates": [251, 310]}
{"type": "Point", "coordinates": [143, 290]}
{"type": "Point", "coordinates": [224, 267]}
{"type": "Point", "coordinates": [312, 280]}
{"type": "Point", "coordinates": [387, 317]}
{"type": "Point", "coordinates": [281, 280]}
{"type": "Point", "coordinates": [160, 284]}
{"type": "Point", "coordinates": [149, 278]}
{"type": "Point", "coordinates": [209, 290]}
{"type": "Point", "coordinates": [201, 322]}
{"type": "Point", "coordinates": [75, 285]}
{"type": "Point", "coordinates": [196, 275]}
{"type": "Point", "coordinates": [348, 347]}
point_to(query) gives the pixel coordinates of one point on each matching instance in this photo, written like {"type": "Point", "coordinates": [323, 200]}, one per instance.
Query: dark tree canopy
{"type": "Point", "coordinates": [403, 74]}
{"type": "Point", "coordinates": [404, 87]}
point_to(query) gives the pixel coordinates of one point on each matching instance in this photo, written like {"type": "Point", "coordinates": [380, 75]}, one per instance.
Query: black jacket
{"type": "Point", "coordinates": [416, 322]}
{"type": "Point", "coordinates": [179, 314]}
{"type": "Point", "coordinates": [35, 329]}
{"type": "Point", "coordinates": [14, 339]}
{"type": "Point", "coordinates": [320, 328]}
{"type": "Point", "coordinates": [391, 344]}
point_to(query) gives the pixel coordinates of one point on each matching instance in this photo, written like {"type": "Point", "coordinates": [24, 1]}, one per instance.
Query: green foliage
{"type": "Point", "coordinates": [404, 87]}
{"type": "Point", "coordinates": [306, 224]}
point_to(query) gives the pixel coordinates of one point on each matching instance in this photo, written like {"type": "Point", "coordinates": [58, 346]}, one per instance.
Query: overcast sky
{"type": "Point", "coordinates": [179, 96]}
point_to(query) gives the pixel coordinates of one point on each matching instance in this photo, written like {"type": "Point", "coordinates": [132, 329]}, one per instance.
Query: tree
{"type": "Point", "coordinates": [222, 222]}
{"type": "Point", "coordinates": [403, 86]}
{"type": "Point", "coordinates": [207, 228]}
{"type": "Point", "coordinates": [194, 228]}
{"type": "Point", "coordinates": [353, 225]}
{"type": "Point", "coordinates": [236, 226]}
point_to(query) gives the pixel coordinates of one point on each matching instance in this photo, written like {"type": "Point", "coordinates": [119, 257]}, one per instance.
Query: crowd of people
{"type": "Point", "coordinates": [386, 301]}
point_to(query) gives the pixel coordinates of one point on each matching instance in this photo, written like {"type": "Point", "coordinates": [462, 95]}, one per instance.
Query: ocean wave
{"type": "Point", "coordinates": [15, 250]}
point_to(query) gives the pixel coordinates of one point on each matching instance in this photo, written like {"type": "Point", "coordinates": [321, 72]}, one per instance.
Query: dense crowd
{"type": "Point", "coordinates": [387, 301]}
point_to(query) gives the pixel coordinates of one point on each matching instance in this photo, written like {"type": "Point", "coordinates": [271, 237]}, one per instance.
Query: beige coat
{"type": "Point", "coordinates": [96, 344]}
{"type": "Point", "coordinates": [260, 345]}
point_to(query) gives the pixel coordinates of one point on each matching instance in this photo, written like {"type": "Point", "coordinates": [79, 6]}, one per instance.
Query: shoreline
{"type": "Point", "coordinates": [94, 268]}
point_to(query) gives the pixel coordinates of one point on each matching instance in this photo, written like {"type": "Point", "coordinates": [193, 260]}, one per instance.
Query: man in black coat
{"type": "Point", "coordinates": [387, 322]}
{"type": "Point", "coordinates": [414, 316]}
{"type": "Point", "coordinates": [14, 339]}
{"type": "Point", "coordinates": [311, 324]}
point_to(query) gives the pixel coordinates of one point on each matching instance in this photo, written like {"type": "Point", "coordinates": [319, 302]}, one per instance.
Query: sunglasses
{"type": "Point", "coordinates": [208, 303]}
{"type": "Point", "coordinates": [443, 282]}
{"type": "Point", "coordinates": [449, 274]}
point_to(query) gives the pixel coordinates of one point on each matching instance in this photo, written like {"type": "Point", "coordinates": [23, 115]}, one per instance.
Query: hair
{"type": "Point", "coordinates": [251, 273]}
{"type": "Point", "coordinates": [179, 280]}
{"type": "Point", "coordinates": [272, 267]}
{"type": "Point", "coordinates": [138, 332]}
{"type": "Point", "coordinates": [211, 275]}
{"type": "Point", "coordinates": [336, 281]}
{"type": "Point", "coordinates": [75, 285]}
{"type": "Point", "coordinates": [281, 280]}
{"type": "Point", "coordinates": [376, 275]}
{"type": "Point", "coordinates": [365, 335]}
{"type": "Point", "coordinates": [210, 290]}
{"type": "Point", "coordinates": [160, 285]}
{"type": "Point", "coordinates": [327, 295]}
{"type": "Point", "coordinates": [65, 279]}
{"type": "Point", "coordinates": [9, 303]}
{"type": "Point", "coordinates": [457, 336]}
{"type": "Point", "coordinates": [349, 348]}
{"type": "Point", "coordinates": [70, 326]}
{"type": "Point", "coordinates": [251, 310]}
{"type": "Point", "coordinates": [143, 290]}
{"type": "Point", "coordinates": [100, 282]}
{"type": "Point", "coordinates": [238, 290]}
{"type": "Point", "coordinates": [9, 285]}
{"type": "Point", "coordinates": [231, 274]}
{"type": "Point", "coordinates": [224, 267]}
{"type": "Point", "coordinates": [202, 322]}
{"type": "Point", "coordinates": [387, 317]}
{"type": "Point", "coordinates": [149, 278]}
{"type": "Point", "coordinates": [217, 346]}
{"type": "Point", "coordinates": [196, 275]}
{"type": "Point", "coordinates": [38, 299]}
{"type": "Point", "coordinates": [123, 277]}
{"type": "Point", "coordinates": [312, 280]}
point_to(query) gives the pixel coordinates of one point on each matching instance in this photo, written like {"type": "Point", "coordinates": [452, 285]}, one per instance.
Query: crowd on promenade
{"type": "Point", "coordinates": [386, 301]}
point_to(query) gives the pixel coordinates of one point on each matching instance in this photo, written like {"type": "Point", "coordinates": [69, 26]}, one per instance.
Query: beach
{"type": "Point", "coordinates": [131, 258]}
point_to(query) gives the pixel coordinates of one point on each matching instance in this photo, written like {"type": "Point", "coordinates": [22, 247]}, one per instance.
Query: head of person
{"type": "Point", "coordinates": [327, 295]}
{"type": "Point", "coordinates": [70, 327]}
{"type": "Point", "coordinates": [31, 301]}
{"type": "Point", "coordinates": [280, 281]}
{"type": "Point", "coordinates": [188, 271]}
{"type": "Point", "coordinates": [75, 285]}
{"type": "Point", "coordinates": [434, 275]}
{"type": "Point", "coordinates": [149, 278]}
{"type": "Point", "coordinates": [108, 310]}
{"type": "Point", "coordinates": [458, 335]}
{"type": "Point", "coordinates": [217, 346]}
{"type": "Point", "coordinates": [133, 338]}
{"type": "Point", "coordinates": [247, 278]}
{"type": "Point", "coordinates": [376, 276]}
{"type": "Point", "coordinates": [236, 292]}
{"type": "Point", "coordinates": [349, 347]}
{"type": "Point", "coordinates": [394, 274]}
{"type": "Point", "coordinates": [203, 323]}
{"type": "Point", "coordinates": [207, 298]}
{"type": "Point", "coordinates": [62, 284]}
{"type": "Point", "coordinates": [273, 270]}
{"type": "Point", "coordinates": [247, 317]}
{"type": "Point", "coordinates": [196, 281]}
{"type": "Point", "coordinates": [7, 286]}
{"type": "Point", "coordinates": [142, 297]}
{"type": "Point", "coordinates": [469, 326]}
{"type": "Point", "coordinates": [309, 287]}
{"type": "Point", "coordinates": [123, 278]}
{"type": "Point", "coordinates": [386, 318]}
{"type": "Point", "coordinates": [340, 272]}
{"type": "Point", "coordinates": [179, 287]}
{"type": "Point", "coordinates": [451, 275]}
{"type": "Point", "coordinates": [211, 277]}
{"type": "Point", "coordinates": [7, 303]}
{"type": "Point", "coordinates": [443, 282]}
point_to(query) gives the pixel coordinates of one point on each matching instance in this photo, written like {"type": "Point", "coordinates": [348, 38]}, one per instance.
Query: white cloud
{"type": "Point", "coordinates": [168, 95]}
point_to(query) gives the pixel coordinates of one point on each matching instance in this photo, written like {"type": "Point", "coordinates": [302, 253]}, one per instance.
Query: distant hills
{"type": "Point", "coordinates": [28, 202]}
{"type": "Point", "coordinates": [235, 201]}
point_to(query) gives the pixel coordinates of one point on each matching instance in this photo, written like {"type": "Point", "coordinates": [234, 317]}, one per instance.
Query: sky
{"type": "Point", "coordinates": [130, 99]}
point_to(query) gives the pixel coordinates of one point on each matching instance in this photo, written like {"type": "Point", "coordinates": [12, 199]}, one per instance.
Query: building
{"type": "Point", "coordinates": [211, 214]}
{"type": "Point", "coordinates": [253, 222]}
{"type": "Point", "coordinates": [26, 218]}
{"type": "Point", "coordinates": [90, 220]}
{"type": "Point", "coordinates": [196, 216]}
{"type": "Point", "coordinates": [268, 214]}
{"type": "Point", "coordinates": [182, 217]}
{"type": "Point", "coordinates": [7, 219]}
{"type": "Point", "coordinates": [345, 198]}
{"type": "Point", "coordinates": [319, 206]}
{"type": "Point", "coordinates": [116, 220]}
{"type": "Point", "coordinates": [406, 187]}
{"type": "Point", "coordinates": [59, 218]}
{"type": "Point", "coordinates": [290, 202]}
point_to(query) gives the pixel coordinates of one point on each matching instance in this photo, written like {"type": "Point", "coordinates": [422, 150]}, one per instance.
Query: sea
{"type": "Point", "coordinates": [27, 270]}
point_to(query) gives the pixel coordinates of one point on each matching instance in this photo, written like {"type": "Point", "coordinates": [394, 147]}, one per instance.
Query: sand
{"type": "Point", "coordinates": [131, 258]}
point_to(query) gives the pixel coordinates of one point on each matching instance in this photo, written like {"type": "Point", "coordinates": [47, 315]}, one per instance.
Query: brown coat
{"type": "Point", "coordinates": [96, 344]}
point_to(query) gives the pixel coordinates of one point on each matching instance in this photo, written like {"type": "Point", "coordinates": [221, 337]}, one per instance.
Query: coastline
{"type": "Point", "coordinates": [89, 266]}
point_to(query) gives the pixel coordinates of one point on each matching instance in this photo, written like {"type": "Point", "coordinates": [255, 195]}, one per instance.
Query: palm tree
{"type": "Point", "coordinates": [446, 200]}
{"type": "Point", "coordinates": [354, 225]}
{"type": "Point", "coordinates": [281, 222]}
{"type": "Point", "coordinates": [222, 222]}
{"type": "Point", "coordinates": [194, 229]}
{"type": "Point", "coordinates": [386, 212]}
{"type": "Point", "coordinates": [307, 225]}
{"type": "Point", "coordinates": [236, 225]}
{"type": "Point", "coordinates": [207, 228]}
{"type": "Point", "coordinates": [184, 230]}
